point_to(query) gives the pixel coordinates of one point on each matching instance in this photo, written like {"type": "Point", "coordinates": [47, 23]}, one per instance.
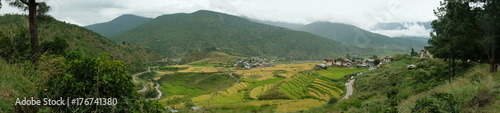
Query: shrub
{"type": "Point", "coordinates": [15, 48]}
{"type": "Point", "coordinates": [152, 93]}
{"type": "Point", "coordinates": [97, 78]}
{"type": "Point", "coordinates": [437, 103]}
{"type": "Point", "coordinates": [57, 46]}
{"type": "Point", "coordinates": [333, 100]}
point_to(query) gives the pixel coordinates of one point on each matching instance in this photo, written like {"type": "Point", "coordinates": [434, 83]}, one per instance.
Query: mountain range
{"type": "Point", "coordinates": [177, 35]}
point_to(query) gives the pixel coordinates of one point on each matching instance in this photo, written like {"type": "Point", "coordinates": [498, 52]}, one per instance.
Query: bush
{"type": "Point", "coordinates": [437, 103]}
{"type": "Point", "coordinates": [16, 48]}
{"type": "Point", "coordinates": [333, 100]}
{"type": "Point", "coordinates": [97, 78]}
{"type": "Point", "coordinates": [57, 46]}
{"type": "Point", "coordinates": [152, 93]}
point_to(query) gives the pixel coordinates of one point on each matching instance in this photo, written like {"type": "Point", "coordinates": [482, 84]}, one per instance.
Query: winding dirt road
{"type": "Point", "coordinates": [349, 89]}
{"type": "Point", "coordinates": [144, 88]}
{"type": "Point", "coordinates": [159, 92]}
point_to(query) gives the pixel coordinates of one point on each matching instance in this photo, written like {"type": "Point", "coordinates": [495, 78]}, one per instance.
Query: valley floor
{"type": "Point", "coordinates": [282, 88]}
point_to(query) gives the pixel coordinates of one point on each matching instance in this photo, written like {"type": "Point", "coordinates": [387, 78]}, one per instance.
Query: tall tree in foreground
{"type": "Point", "coordinates": [452, 38]}
{"type": "Point", "coordinates": [489, 19]}
{"type": "Point", "coordinates": [466, 29]}
{"type": "Point", "coordinates": [34, 9]}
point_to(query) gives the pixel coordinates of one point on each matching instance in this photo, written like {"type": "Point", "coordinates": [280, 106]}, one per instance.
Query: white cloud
{"type": "Point", "coordinates": [413, 30]}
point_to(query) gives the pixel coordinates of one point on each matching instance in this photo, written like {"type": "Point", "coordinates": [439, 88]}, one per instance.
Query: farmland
{"type": "Point", "coordinates": [336, 73]}
{"type": "Point", "coordinates": [282, 88]}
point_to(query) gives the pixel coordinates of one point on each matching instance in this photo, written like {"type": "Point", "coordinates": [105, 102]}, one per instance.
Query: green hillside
{"type": "Point", "coordinates": [177, 35]}
{"type": "Point", "coordinates": [90, 44]}
{"type": "Point", "coordinates": [352, 35]}
{"type": "Point", "coordinates": [118, 25]}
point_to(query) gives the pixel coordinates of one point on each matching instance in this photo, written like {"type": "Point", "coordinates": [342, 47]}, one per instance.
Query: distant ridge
{"type": "Point", "coordinates": [118, 25]}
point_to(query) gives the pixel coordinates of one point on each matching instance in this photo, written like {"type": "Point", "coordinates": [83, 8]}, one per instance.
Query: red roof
{"type": "Point", "coordinates": [329, 59]}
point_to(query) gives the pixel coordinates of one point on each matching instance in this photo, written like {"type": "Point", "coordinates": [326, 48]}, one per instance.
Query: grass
{"type": "Point", "coordinates": [300, 105]}
{"type": "Point", "coordinates": [206, 81]}
{"type": "Point", "coordinates": [401, 88]}
{"type": "Point", "coordinates": [337, 73]}
{"type": "Point", "coordinates": [169, 89]}
{"type": "Point", "coordinates": [18, 81]}
{"type": "Point", "coordinates": [467, 90]}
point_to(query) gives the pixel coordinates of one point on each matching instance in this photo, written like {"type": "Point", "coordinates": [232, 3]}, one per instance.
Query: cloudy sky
{"type": "Point", "coordinates": [361, 13]}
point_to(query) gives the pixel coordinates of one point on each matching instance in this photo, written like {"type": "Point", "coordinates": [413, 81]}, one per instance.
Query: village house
{"type": "Point", "coordinates": [329, 61]}
{"type": "Point", "coordinates": [387, 59]}
{"type": "Point", "coordinates": [346, 62]}
{"type": "Point", "coordinates": [338, 63]}
{"type": "Point", "coordinates": [369, 62]}
{"type": "Point", "coordinates": [251, 62]}
{"type": "Point", "coordinates": [425, 54]}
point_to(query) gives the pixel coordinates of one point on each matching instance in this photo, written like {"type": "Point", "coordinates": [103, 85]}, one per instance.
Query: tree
{"type": "Point", "coordinates": [100, 77]}
{"type": "Point", "coordinates": [34, 8]}
{"type": "Point", "coordinates": [453, 38]}
{"type": "Point", "coordinates": [376, 61]}
{"type": "Point", "coordinates": [413, 53]}
{"type": "Point", "coordinates": [374, 57]}
{"type": "Point", "coordinates": [347, 56]}
{"type": "Point", "coordinates": [488, 19]}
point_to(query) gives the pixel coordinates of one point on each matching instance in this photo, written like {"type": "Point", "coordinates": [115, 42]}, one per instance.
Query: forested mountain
{"type": "Point", "coordinates": [177, 35]}
{"type": "Point", "coordinates": [79, 39]}
{"type": "Point", "coordinates": [352, 35]}
{"type": "Point", "coordinates": [118, 25]}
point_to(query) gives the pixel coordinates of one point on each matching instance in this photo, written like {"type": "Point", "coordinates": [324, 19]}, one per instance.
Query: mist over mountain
{"type": "Point", "coordinates": [293, 26]}
{"type": "Point", "coordinates": [352, 35]}
{"type": "Point", "coordinates": [400, 25]}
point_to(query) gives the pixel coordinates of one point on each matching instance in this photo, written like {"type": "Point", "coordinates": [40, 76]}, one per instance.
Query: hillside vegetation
{"type": "Point", "coordinates": [393, 88]}
{"type": "Point", "coordinates": [178, 35]}
{"type": "Point", "coordinates": [79, 39]}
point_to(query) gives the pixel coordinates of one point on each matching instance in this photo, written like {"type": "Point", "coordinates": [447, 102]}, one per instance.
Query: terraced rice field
{"type": "Point", "coordinates": [255, 92]}
{"type": "Point", "coordinates": [232, 94]}
{"type": "Point", "coordinates": [297, 88]}
{"type": "Point", "coordinates": [235, 88]}
{"type": "Point", "coordinates": [201, 69]}
{"type": "Point", "coordinates": [300, 105]}
{"type": "Point", "coordinates": [324, 90]}
{"type": "Point", "coordinates": [305, 88]}
{"type": "Point", "coordinates": [160, 73]}
{"type": "Point", "coordinates": [336, 73]}
{"type": "Point", "coordinates": [265, 73]}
